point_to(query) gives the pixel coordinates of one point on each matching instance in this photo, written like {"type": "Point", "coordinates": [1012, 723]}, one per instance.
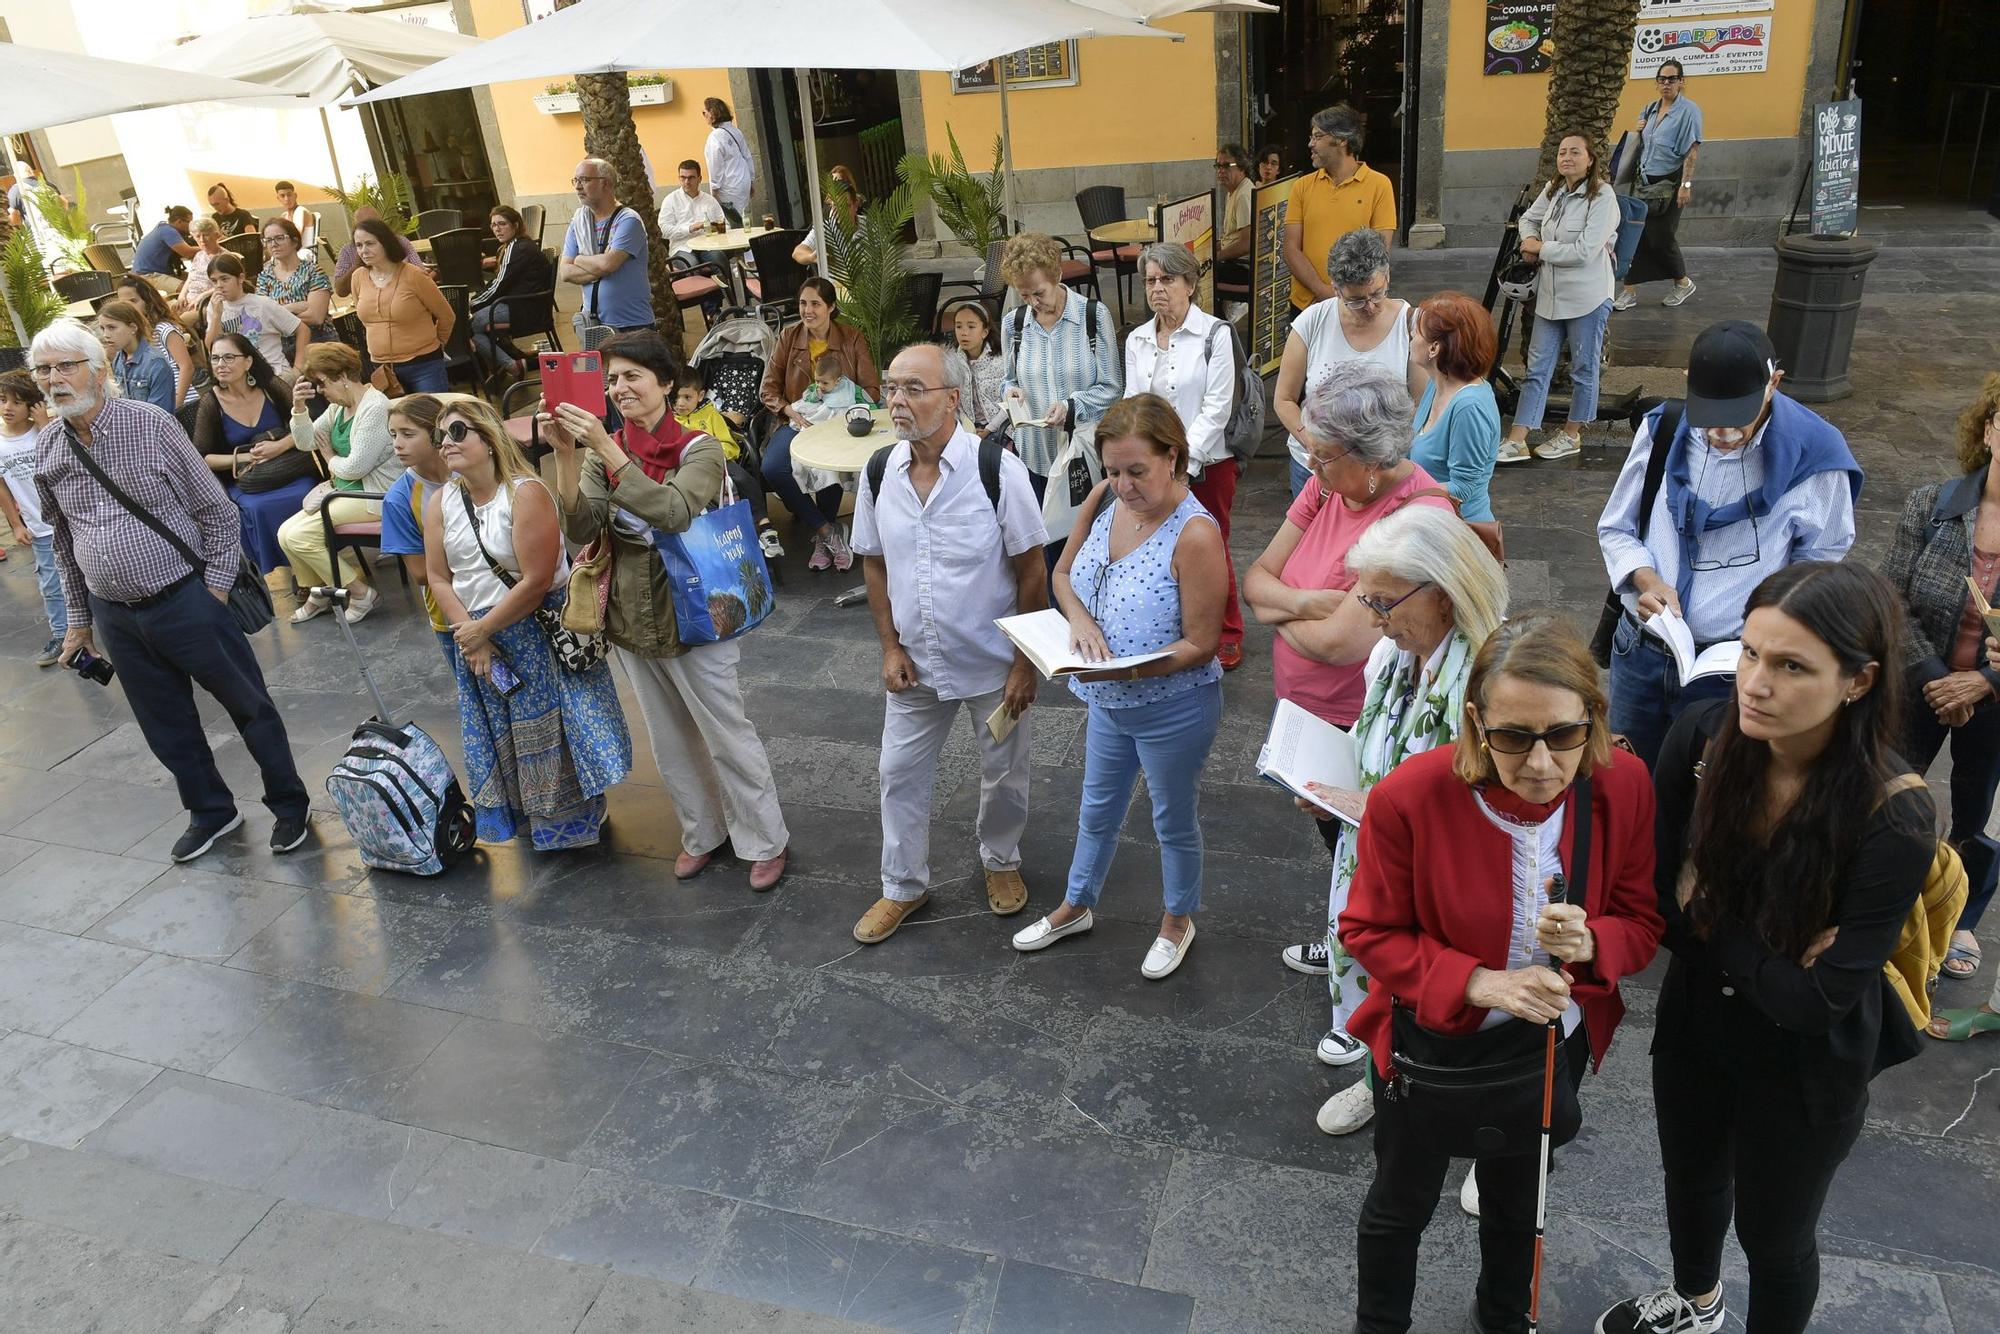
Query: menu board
{"type": "Point", "coordinates": [1050, 65]}
{"type": "Point", "coordinates": [1517, 36]}
{"type": "Point", "coordinates": [1191, 221]}
{"type": "Point", "coordinates": [1270, 276]}
{"type": "Point", "coordinates": [1836, 199]}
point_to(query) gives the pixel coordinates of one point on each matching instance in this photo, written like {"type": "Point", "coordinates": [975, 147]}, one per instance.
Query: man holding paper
{"type": "Point", "coordinates": [1750, 482]}
{"type": "Point", "coordinates": [944, 560]}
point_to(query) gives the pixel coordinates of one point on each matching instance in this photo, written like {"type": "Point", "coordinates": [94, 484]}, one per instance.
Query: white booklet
{"type": "Point", "coordinates": [1715, 660]}
{"type": "Point", "coordinates": [1043, 636]}
{"type": "Point", "coordinates": [1304, 748]}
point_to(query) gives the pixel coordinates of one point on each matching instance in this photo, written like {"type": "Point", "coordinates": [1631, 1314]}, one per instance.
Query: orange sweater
{"type": "Point", "coordinates": [405, 320]}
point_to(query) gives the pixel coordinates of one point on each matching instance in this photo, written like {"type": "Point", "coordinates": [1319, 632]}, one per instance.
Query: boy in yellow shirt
{"type": "Point", "coordinates": [693, 410]}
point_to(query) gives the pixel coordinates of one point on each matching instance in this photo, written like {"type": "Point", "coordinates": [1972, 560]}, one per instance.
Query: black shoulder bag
{"type": "Point", "coordinates": [575, 652]}
{"type": "Point", "coordinates": [1480, 1095]}
{"type": "Point", "coordinates": [1656, 472]}
{"type": "Point", "coordinates": [249, 599]}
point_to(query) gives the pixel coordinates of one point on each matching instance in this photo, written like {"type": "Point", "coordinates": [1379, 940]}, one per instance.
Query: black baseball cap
{"type": "Point", "coordinates": [1728, 369]}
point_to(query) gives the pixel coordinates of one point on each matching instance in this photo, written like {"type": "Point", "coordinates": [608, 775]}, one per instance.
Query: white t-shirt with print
{"type": "Point", "coordinates": [17, 465]}
{"type": "Point", "coordinates": [266, 324]}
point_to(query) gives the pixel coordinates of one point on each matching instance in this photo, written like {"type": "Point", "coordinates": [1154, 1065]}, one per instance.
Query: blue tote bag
{"type": "Point", "coordinates": [716, 571]}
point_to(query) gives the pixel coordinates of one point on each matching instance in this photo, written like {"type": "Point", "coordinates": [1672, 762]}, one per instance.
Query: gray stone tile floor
{"type": "Point", "coordinates": [570, 1093]}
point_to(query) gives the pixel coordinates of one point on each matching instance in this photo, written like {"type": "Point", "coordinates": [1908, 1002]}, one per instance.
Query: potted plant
{"type": "Point", "coordinates": [867, 257]}
{"type": "Point", "coordinates": [391, 196]}
{"type": "Point", "coordinates": [32, 304]}
{"type": "Point", "coordinates": [66, 228]}
{"type": "Point", "coordinates": [969, 206]}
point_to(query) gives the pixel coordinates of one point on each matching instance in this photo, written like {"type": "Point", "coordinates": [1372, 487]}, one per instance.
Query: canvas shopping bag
{"type": "Point", "coordinates": [716, 571]}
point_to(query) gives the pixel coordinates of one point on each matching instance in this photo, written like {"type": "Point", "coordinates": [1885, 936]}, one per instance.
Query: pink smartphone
{"type": "Point", "coordinates": [573, 377]}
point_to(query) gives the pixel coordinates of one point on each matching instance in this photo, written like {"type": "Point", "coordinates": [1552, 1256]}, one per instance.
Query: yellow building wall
{"type": "Point", "coordinates": [542, 151]}
{"type": "Point", "coordinates": [1139, 100]}
{"type": "Point", "coordinates": [1509, 110]}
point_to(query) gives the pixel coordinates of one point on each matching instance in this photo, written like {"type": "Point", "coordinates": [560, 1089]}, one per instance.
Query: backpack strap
{"type": "Point", "coordinates": [989, 469]}
{"type": "Point", "coordinates": [1656, 462]}
{"type": "Point", "coordinates": [878, 463]}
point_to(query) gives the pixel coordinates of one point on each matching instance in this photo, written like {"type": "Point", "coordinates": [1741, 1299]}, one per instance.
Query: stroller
{"type": "Point", "coordinates": [731, 359]}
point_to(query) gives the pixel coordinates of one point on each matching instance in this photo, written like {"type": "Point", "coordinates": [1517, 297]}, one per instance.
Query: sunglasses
{"type": "Point", "coordinates": [1519, 740]}
{"type": "Point", "coordinates": [456, 432]}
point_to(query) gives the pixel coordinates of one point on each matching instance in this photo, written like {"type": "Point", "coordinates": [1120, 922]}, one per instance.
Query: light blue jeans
{"type": "Point", "coordinates": [1169, 741]}
{"type": "Point", "coordinates": [1585, 336]}
{"type": "Point", "coordinates": [50, 580]}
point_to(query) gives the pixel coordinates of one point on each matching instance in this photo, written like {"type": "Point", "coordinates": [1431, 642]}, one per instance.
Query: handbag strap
{"type": "Point", "coordinates": [500, 571]}
{"type": "Point", "coordinates": [90, 466]}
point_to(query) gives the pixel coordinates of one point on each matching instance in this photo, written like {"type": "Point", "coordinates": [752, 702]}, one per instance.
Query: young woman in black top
{"type": "Point", "coordinates": [1789, 856]}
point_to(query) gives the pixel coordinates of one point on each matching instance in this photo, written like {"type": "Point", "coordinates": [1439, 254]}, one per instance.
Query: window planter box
{"type": "Point", "coordinates": [567, 104]}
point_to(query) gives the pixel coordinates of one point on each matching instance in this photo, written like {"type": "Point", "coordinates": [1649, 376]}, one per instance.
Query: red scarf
{"type": "Point", "coordinates": [657, 452]}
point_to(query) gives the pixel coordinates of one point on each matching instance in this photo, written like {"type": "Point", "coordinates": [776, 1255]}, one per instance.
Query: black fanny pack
{"type": "Point", "coordinates": [1480, 1095]}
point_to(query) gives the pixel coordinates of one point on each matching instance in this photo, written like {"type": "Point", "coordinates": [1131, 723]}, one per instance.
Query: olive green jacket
{"type": "Point", "coordinates": [640, 618]}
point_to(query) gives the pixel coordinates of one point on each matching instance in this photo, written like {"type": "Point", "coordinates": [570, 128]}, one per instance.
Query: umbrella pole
{"type": "Point", "coordinates": [1007, 148]}
{"type": "Point", "coordinates": [812, 165]}
{"type": "Point", "coordinates": [339, 181]}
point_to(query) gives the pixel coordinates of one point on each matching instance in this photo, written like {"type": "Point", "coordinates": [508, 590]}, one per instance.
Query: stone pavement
{"type": "Point", "coordinates": [569, 1093]}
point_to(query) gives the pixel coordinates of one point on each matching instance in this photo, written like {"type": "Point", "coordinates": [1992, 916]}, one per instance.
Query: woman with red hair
{"type": "Point", "coordinates": [1458, 421]}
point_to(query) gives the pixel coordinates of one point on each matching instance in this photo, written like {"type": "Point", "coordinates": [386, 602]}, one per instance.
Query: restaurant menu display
{"type": "Point", "coordinates": [1270, 277]}
{"type": "Point", "coordinates": [1836, 183]}
{"type": "Point", "coordinates": [1050, 65]}
{"type": "Point", "coordinates": [1517, 36]}
{"type": "Point", "coordinates": [1191, 221]}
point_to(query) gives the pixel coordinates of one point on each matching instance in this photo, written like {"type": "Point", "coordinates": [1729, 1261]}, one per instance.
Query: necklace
{"type": "Point", "coordinates": [382, 280]}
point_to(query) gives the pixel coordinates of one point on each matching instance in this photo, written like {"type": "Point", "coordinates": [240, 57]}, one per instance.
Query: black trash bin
{"type": "Point", "coordinates": [1814, 308]}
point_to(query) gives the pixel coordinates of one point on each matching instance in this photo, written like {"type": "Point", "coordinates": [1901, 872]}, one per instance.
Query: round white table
{"type": "Point", "coordinates": [1132, 231]}
{"type": "Point", "coordinates": [829, 447]}
{"type": "Point", "coordinates": [721, 247]}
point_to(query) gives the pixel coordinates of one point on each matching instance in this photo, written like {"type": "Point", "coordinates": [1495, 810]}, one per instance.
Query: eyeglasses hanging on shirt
{"type": "Point", "coordinates": [1693, 538]}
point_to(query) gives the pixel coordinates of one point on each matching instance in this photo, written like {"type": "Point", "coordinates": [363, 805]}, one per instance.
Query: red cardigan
{"type": "Point", "coordinates": [1431, 898]}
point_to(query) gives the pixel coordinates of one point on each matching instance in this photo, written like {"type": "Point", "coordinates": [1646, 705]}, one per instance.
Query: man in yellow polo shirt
{"type": "Point", "coordinates": [1345, 193]}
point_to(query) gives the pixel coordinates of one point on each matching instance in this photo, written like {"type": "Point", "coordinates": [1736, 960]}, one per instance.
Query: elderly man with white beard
{"type": "Point", "coordinates": [148, 547]}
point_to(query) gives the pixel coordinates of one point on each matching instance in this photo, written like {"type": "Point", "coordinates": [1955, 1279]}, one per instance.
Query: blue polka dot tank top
{"type": "Point", "coordinates": [1138, 606]}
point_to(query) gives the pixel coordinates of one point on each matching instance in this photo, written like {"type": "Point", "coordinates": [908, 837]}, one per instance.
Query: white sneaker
{"type": "Point", "coordinates": [1559, 446]}
{"type": "Point", "coordinates": [1625, 300]}
{"type": "Point", "coordinates": [1348, 1110]}
{"type": "Point", "coordinates": [1681, 292]}
{"type": "Point", "coordinates": [768, 543]}
{"type": "Point", "coordinates": [1468, 1195]}
{"type": "Point", "coordinates": [1340, 1048]}
{"type": "Point", "coordinates": [1165, 955]}
{"type": "Point", "coordinates": [1042, 935]}
{"type": "Point", "coordinates": [1513, 451]}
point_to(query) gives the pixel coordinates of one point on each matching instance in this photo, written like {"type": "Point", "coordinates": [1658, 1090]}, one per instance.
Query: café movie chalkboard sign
{"type": "Point", "coordinates": [1517, 36]}
{"type": "Point", "coordinates": [1270, 276]}
{"type": "Point", "coordinates": [1836, 185]}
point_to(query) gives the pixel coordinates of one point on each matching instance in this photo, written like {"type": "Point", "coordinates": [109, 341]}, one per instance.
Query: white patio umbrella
{"type": "Point", "coordinates": [1151, 11]}
{"type": "Point", "coordinates": [606, 36]}
{"type": "Point", "coordinates": [45, 88]}
{"type": "Point", "coordinates": [314, 58]}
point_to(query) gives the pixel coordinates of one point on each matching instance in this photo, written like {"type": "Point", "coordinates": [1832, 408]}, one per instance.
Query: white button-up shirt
{"type": "Point", "coordinates": [1196, 372]}
{"type": "Point", "coordinates": [949, 562]}
{"type": "Point", "coordinates": [730, 170]}
{"type": "Point", "coordinates": [682, 215]}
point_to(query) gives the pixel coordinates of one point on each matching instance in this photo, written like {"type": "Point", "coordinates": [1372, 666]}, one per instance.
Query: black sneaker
{"type": "Point", "coordinates": [1662, 1312]}
{"type": "Point", "coordinates": [1312, 957]}
{"type": "Point", "coordinates": [200, 838]}
{"type": "Point", "coordinates": [289, 832]}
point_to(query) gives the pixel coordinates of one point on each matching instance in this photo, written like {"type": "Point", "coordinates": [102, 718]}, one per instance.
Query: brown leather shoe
{"type": "Point", "coordinates": [880, 922]}
{"type": "Point", "coordinates": [1006, 892]}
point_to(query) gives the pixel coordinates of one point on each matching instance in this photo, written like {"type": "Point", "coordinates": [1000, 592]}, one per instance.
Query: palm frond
{"type": "Point", "coordinates": [867, 257]}
{"type": "Point", "coordinates": [969, 206]}
{"type": "Point", "coordinates": [27, 284]}
{"type": "Point", "coordinates": [66, 226]}
{"type": "Point", "coordinates": [391, 196]}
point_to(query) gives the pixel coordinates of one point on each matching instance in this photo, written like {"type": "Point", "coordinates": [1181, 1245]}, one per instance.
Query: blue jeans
{"type": "Point", "coordinates": [50, 580]}
{"type": "Point", "coordinates": [494, 349]}
{"type": "Point", "coordinates": [432, 376]}
{"type": "Point", "coordinates": [161, 653]}
{"type": "Point", "coordinates": [1296, 474]}
{"type": "Point", "coordinates": [1646, 693]}
{"type": "Point", "coordinates": [812, 513]}
{"type": "Point", "coordinates": [1585, 336]}
{"type": "Point", "coordinates": [1169, 741]}
{"type": "Point", "coordinates": [1975, 776]}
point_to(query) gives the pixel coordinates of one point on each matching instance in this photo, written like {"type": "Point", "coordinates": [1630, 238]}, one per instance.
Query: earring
{"type": "Point", "coordinates": [1372, 479]}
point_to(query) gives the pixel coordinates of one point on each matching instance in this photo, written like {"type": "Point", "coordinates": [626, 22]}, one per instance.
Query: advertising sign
{"type": "Point", "coordinates": [1270, 276]}
{"type": "Point", "coordinates": [1191, 221]}
{"type": "Point", "coordinates": [1517, 36]}
{"type": "Point", "coordinates": [1836, 186]}
{"type": "Point", "coordinates": [1670, 11]}
{"type": "Point", "coordinates": [1719, 46]}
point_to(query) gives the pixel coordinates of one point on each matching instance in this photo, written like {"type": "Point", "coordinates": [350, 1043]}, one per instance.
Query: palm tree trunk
{"type": "Point", "coordinates": [1593, 42]}
{"type": "Point", "coordinates": [608, 132]}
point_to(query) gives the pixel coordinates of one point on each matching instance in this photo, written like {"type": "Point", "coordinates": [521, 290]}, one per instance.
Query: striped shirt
{"type": "Point", "coordinates": [100, 547]}
{"type": "Point", "coordinates": [1058, 364]}
{"type": "Point", "coordinates": [1812, 521]}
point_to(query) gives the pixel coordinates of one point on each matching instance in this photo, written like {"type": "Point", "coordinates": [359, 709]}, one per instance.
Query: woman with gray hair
{"type": "Point", "coordinates": [1361, 323]}
{"type": "Point", "coordinates": [1428, 585]}
{"type": "Point", "coordinates": [1184, 354]}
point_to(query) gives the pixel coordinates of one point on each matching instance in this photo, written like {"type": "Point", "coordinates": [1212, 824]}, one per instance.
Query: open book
{"type": "Point", "coordinates": [1986, 612]}
{"type": "Point", "coordinates": [1303, 748]}
{"type": "Point", "coordinates": [1715, 660]}
{"type": "Point", "coordinates": [1043, 636]}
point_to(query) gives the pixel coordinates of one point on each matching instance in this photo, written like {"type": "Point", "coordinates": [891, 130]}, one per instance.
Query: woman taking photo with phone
{"type": "Point", "coordinates": [1792, 842]}
{"type": "Point", "coordinates": [543, 744]}
{"type": "Point", "coordinates": [1502, 884]}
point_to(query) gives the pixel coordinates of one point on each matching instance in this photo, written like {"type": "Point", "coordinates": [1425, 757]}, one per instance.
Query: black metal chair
{"type": "Point", "coordinates": [455, 256]}
{"type": "Point", "coordinates": [526, 393]}
{"type": "Point", "coordinates": [461, 354]}
{"type": "Point", "coordinates": [775, 285]}
{"type": "Point", "coordinates": [90, 285]}
{"type": "Point", "coordinates": [705, 285]}
{"type": "Point", "coordinates": [435, 220]}
{"type": "Point", "coordinates": [249, 247]}
{"type": "Point", "coordinates": [104, 259]}
{"type": "Point", "coordinates": [1100, 206]}
{"type": "Point", "coordinates": [990, 291]}
{"type": "Point", "coordinates": [921, 291]}
{"type": "Point", "coordinates": [354, 536]}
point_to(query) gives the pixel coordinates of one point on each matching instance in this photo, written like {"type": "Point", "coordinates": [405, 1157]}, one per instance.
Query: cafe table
{"type": "Point", "coordinates": [1132, 231]}
{"type": "Point", "coordinates": [722, 245]}
{"type": "Point", "coordinates": [828, 447]}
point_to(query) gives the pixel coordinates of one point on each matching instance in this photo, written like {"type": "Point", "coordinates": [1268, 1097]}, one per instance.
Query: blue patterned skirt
{"type": "Point", "coordinates": [545, 756]}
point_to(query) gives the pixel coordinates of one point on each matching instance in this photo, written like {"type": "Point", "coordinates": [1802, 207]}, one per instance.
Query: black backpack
{"type": "Point", "coordinates": [989, 470]}
{"type": "Point", "coordinates": [1669, 426]}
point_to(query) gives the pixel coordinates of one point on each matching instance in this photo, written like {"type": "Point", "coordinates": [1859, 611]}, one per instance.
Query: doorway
{"type": "Point", "coordinates": [1310, 56]}
{"type": "Point", "coordinates": [1930, 124]}
{"type": "Point", "coordinates": [858, 124]}
{"type": "Point", "coordinates": [433, 140]}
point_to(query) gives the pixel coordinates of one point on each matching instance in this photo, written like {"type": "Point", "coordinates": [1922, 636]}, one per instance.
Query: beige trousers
{"type": "Point", "coordinates": [303, 538]}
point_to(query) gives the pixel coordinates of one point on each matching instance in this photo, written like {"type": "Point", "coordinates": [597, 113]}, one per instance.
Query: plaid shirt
{"type": "Point", "coordinates": [99, 545]}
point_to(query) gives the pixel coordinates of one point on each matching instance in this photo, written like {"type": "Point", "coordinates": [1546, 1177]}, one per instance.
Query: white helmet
{"type": "Point", "coordinates": [1517, 281]}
